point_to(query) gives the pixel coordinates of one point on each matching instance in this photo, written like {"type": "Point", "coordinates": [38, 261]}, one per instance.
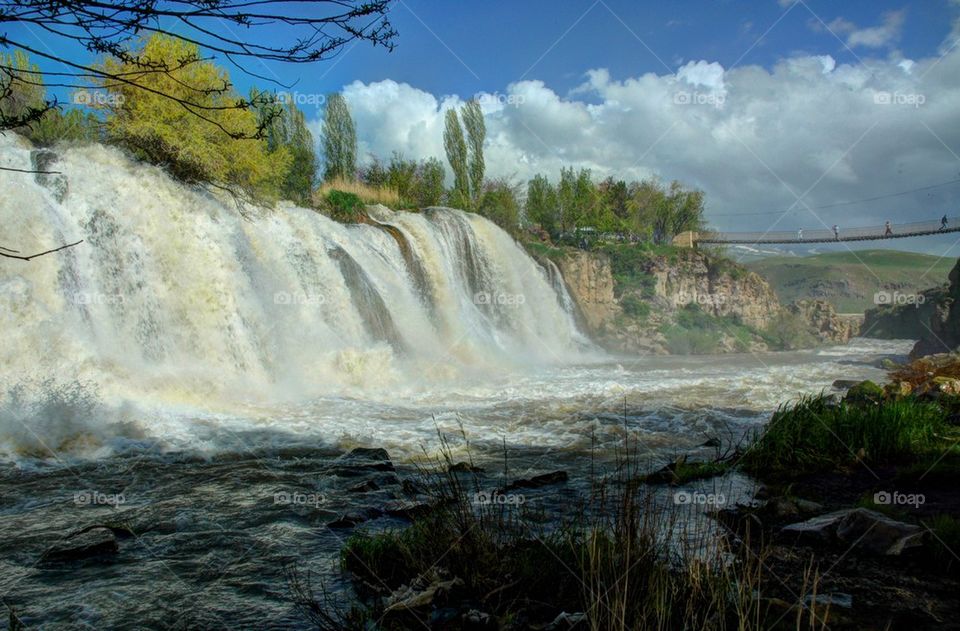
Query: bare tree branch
{"type": "Point", "coordinates": [5, 251]}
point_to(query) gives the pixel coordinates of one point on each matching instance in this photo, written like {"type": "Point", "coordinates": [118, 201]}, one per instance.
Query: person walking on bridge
{"type": "Point", "coordinates": [836, 232]}
{"type": "Point", "coordinates": [887, 230]}
{"type": "Point", "coordinates": [800, 234]}
{"type": "Point", "coordinates": [943, 223]}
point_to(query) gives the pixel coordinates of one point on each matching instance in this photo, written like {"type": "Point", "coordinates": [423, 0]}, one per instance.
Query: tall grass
{"type": "Point", "coordinates": [626, 560]}
{"type": "Point", "coordinates": [816, 434]}
{"type": "Point", "coordinates": [368, 194]}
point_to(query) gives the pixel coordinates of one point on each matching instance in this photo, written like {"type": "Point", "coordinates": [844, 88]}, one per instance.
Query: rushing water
{"type": "Point", "coordinates": [196, 363]}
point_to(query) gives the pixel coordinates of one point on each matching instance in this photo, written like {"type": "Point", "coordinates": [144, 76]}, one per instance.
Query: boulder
{"type": "Point", "coordinates": [568, 622]}
{"type": "Point", "coordinates": [411, 597]}
{"type": "Point", "coordinates": [859, 527]}
{"type": "Point", "coordinates": [537, 481]}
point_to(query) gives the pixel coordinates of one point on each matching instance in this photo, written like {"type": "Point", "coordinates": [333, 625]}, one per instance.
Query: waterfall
{"type": "Point", "coordinates": [174, 296]}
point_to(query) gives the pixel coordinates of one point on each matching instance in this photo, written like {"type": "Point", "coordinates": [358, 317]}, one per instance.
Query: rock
{"type": "Point", "coordinates": [943, 332]}
{"type": "Point", "coordinates": [823, 321]}
{"type": "Point", "coordinates": [409, 597]}
{"type": "Point", "coordinates": [464, 467]}
{"type": "Point", "coordinates": [845, 384]}
{"type": "Point", "coordinates": [367, 453]}
{"type": "Point", "coordinates": [898, 389]}
{"type": "Point", "coordinates": [865, 392]}
{"type": "Point", "coordinates": [347, 520]}
{"type": "Point", "coordinates": [407, 509]}
{"type": "Point", "coordinates": [835, 599]}
{"type": "Point", "coordinates": [860, 527]}
{"type": "Point", "coordinates": [97, 542]}
{"type": "Point", "coordinates": [568, 621]}
{"type": "Point", "coordinates": [711, 442]}
{"type": "Point", "coordinates": [476, 620]}
{"type": "Point", "coordinates": [946, 385]}
{"type": "Point", "coordinates": [554, 477]}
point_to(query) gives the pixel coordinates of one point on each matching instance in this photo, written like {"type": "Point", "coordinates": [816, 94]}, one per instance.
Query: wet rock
{"type": "Point", "coordinates": [946, 385]}
{"type": "Point", "coordinates": [835, 599]}
{"type": "Point", "coordinates": [347, 520]}
{"type": "Point", "coordinates": [464, 467]}
{"type": "Point", "coordinates": [407, 509]}
{"type": "Point", "coordinates": [845, 384]}
{"type": "Point", "coordinates": [865, 392]}
{"type": "Point", "coordinates": [537, 481]}
{"type": "Point", "coordinates": [97, 542]}
{"type": "Point", "coordinates": [859, 527]}
{"type": "Point", "coordinates": [411, 597]}
{"type": "Point", "coordinates": [711, 442]}
{"type": "Point", "coordinates": [476, 620]}
{"type": "Point", "coordinates": [367, 453]}
{"type": "Point", "coordinates": [568, 622]}
{"type": "Point", "coordinates": [898, 389]}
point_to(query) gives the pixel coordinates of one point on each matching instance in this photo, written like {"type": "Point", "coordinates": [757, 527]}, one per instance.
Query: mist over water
{"type": "Point", "coordinates": [179, 304]}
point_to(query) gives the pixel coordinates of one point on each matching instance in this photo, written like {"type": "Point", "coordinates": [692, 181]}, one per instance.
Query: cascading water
{"type": "Point", "coordinates": [175, 299]}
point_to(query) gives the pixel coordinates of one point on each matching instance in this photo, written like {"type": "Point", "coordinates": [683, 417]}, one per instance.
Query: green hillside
{"type": "Point", "coordinates": [850, 279]}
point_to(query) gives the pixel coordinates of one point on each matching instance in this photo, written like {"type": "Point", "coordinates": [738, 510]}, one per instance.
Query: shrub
{"type": "Point", "coordinates": [635, 307]}
{"type": "Point", "coordinates": [342, 206]}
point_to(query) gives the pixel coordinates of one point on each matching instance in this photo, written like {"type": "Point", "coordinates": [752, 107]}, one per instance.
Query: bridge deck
{"type": "Point", "coordinates": [868, 233]}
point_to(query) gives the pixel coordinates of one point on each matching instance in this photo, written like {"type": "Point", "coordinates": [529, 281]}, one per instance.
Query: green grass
{"type": "Point", "coordinates": [850, 279]}
{"type": "Point", "coordinates": [814, 435]}
{"type": "Point", "coordinates": [696, 332]}
{"type": "Point", "coordinates": [537, 249]}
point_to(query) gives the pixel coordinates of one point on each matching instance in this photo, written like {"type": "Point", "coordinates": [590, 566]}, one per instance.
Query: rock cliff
{"type": "Point", "coordinates": [942, 335]}
{"type": "Point", "coordinates": [687, 301]}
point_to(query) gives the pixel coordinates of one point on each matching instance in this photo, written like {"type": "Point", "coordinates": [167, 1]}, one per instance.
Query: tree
{"type": "Point", "coordinates": [456, 148]}
{"type": "Point", "coordinates": [429, 185]}
{"type": "Point", "coordinates": [498, 203]}
{"type": "Point", "coordinates": [476, 133]}
{"type": "Point", "coordinates": [339, 140]}
{"type": "Point", "coordinates": [286, 131]}
{"type": "Point", "coordinates": [541, 205]}
{"type": "Point", "coordinates": [113, 28]}
{"type": "Point", "coordinates": [155, 128]}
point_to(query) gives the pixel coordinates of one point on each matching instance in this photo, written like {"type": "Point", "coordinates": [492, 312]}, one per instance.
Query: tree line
{"type": "Point", "coordinates": [265, 151]}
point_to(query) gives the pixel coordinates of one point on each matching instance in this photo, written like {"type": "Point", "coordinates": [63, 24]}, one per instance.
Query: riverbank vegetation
{"type": "Point", "coordinates": [180, 110]}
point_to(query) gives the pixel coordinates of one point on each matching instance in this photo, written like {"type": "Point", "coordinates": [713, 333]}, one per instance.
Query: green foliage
{"type": "Point", "coordinates": [628, 264]}
{"type": "Point", "coordinates": [428, 190]}
{"type": "Point", "coordinates": [499, 204]}
{"type": "Point", "coordinates": [696, 332]}
{"type": "Point", "coordinates": [541, 204]}
{"type": "Point", "coordinates": [25, 93]}
{"type": "Point", "coordinates": [339, 140]}
{"type": "Point", "coordinates": [214, 146]}
{"type": "Point", "coordinates": [476, 133]}
{"type": "Point", "coordinates": [287, 133]}
{"type": "Point", "coordinates": [342, 206]}
{"type": "Point", "coordinates": [456, 149]}
{"type": "Point", "coordinates": [418, 184]}
{"type": "Point", "coordinates": [683, 341]}
{"type": "Point", "coordinates": [789, 331]}
{"type": "Point", "coordinates": [818, 435]}
{"type": "Point", "coordinates": [635, 307]}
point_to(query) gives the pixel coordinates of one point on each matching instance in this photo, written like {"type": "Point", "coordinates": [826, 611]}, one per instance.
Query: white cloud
{"type": "Point", "coordinates": [844, 131]}
{"type": "Point", "coordinates": [871, 37]}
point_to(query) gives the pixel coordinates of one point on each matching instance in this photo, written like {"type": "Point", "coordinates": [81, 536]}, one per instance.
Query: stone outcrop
{"type": "Point", "coordinates": [630, 316]}
{"type": "Point", "coordinates": [826, 324]}
{"type": "Point", "coordinates": [943, 333]}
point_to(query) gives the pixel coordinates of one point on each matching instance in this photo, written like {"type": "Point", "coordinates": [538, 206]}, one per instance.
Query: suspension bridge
{"type": "Point", "coordinates": [827, 235]}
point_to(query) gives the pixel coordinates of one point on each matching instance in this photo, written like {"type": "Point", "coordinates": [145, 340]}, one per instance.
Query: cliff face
{"type": "Point", "coordinates": [943, 333]}
{"type": "Point", "coordinates": [691, 302]}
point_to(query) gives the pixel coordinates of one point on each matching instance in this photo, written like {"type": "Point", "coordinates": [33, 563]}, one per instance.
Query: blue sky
{"type": "Point", "coordinates": [765, 105]}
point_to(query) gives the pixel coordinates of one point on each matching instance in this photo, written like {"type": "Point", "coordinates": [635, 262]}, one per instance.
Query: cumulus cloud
{"type": "Point", "coordinates": [752, 138]}
{"type": "Point", "coordinates": [887, 33]}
